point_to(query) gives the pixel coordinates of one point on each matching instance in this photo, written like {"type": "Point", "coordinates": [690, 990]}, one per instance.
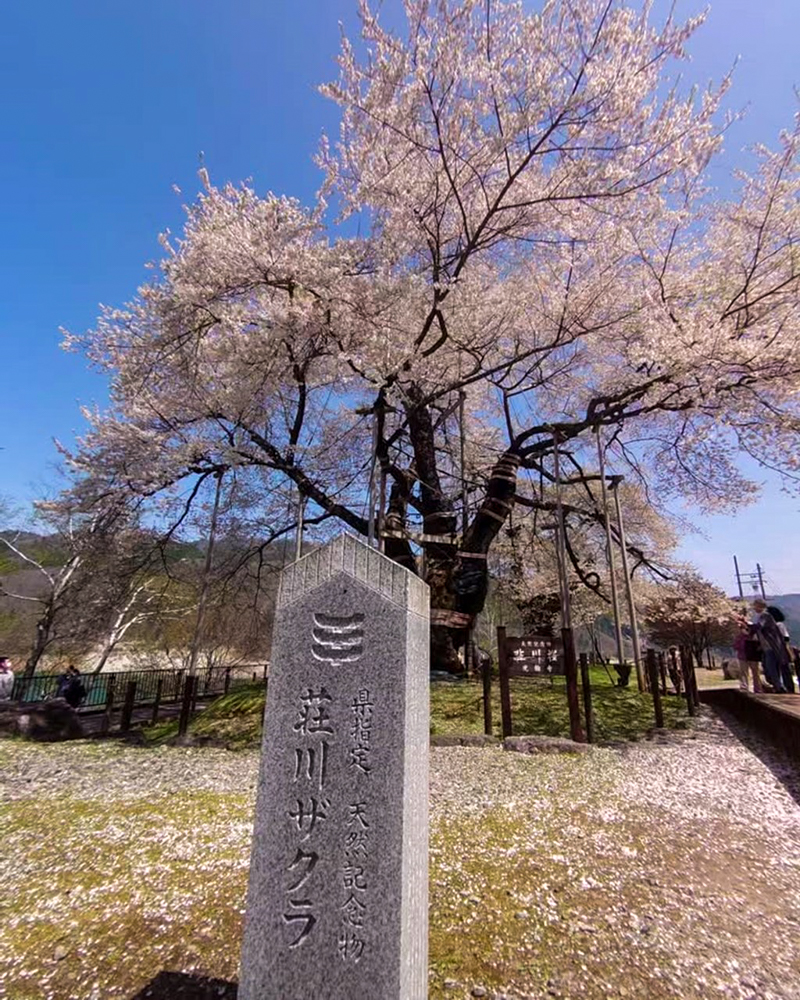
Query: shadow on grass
{"type": "Point", "coordinates": [182, 986]}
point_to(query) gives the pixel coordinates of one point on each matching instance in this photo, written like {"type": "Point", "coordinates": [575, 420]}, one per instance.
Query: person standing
{"type": "Point", "coordinates": [70, 687]}
{"type": "Point", "coordinates": [748, 653]}
{"type": "Point", "coordinates": [64, 681]}
{"type": "Point", "coordinates": [774, 650]}
{"type": "Point", "coordinates": [6, 679]}
{"type": "Point", "coordinates": [786, 669]}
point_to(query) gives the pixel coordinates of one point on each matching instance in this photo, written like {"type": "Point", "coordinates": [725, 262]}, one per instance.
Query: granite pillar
{"type": "Point", "coordinates": [337, 904]}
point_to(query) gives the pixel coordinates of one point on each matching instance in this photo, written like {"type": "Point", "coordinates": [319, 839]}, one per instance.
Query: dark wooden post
{"type": "Point", "coordinates": [127, 707]}
{"type": "Point", "coordinates": [505, 690]}
{"type": "Point", "coordinates": [189, 686]}
{"type": "Point", "coordinates": [195, 693]}
{"type": "Point", "coordinates": [227, 683]}
{"type": "Point", "coordinates": [675, 672]}
{"type": "Point", "coordinates": [178, 685]}
{"type": "Point", "coordinates": [265, 673]}
{"type": "Point", "coordinates": [109, 703]}
{"type": "Point", "coordinates": [687, 670]}
{"type": "Point", "coordinates": [486, 675]}
{"type": "Point", "coordinates": [652, 671]}
{"type": "Point", "coordinates": [693, 679]}
{"type": "Point", "coordinates": [571, 675]}
{"type": "Point", "coordinates": [588, 712]}
{"type": "Point", "coordinates": [157, 701]}
{"type": "Point", "coordinates": [255, 676]}
{"type": "Point", "coordinates": [662, 669]}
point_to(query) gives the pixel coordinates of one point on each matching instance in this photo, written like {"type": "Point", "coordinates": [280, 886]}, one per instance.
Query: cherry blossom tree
{"type": "Point", "coordinates": [540, 253]}
{"type": "Point", "coordinates": [690, 612]}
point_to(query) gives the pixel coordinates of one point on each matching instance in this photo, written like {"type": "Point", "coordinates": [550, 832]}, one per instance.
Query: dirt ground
{"type": "Point", "coordinates": [659, 869]}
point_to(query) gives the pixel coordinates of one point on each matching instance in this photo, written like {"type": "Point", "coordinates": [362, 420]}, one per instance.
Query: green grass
{"type": "Point", "coordinates": [234, 719]}
{"type": "Point", "coordinates": [537, 708]}
{"type": "Point", "coordinates": [457, 709]}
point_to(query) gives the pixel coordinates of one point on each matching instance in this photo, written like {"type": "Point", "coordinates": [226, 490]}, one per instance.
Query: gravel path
{"type": "Point", "coordinates": [659, 870]}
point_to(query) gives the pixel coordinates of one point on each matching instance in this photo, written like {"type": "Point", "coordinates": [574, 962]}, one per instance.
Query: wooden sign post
{"type": "Point", "coordinates": [535, 656]}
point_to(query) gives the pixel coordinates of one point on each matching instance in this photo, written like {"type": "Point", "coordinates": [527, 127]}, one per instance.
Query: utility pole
{"type": "Point", "coordinates": [738, 578]}
{"type": "Point", "coordinates": [612, 567]}
{"type": "Point", "coordinates": [637, 653]}
{"type": "Point", "coordinates": [761, 581]}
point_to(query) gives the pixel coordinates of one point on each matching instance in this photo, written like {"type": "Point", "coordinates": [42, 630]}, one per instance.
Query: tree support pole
{"type": "Point", "coordinates": [662, 670]}
{"type": "Point", "coordinates": [567, 635]}
{"type": "Point", "coordinates": [298, 539]}
{"type": "Point", "coordinates": [109, 704]}
{"type": "Point", "coordinates": [637, 652]}
{"type": "Point", "coordinates": [612, 562]}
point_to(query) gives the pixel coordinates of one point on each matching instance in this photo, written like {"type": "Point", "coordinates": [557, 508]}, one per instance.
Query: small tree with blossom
{"type": "Point", "coordinates": [690, 612]}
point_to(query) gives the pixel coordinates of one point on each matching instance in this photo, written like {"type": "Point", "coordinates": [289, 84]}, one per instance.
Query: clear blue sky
{"type": "Point", "coordinates": [106, 105]}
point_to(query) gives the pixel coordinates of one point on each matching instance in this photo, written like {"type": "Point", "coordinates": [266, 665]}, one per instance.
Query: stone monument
{"type": "Point", "coordinates": [337, 905]}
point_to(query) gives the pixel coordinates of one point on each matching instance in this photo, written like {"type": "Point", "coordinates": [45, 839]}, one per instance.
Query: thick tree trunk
{"type": "Point", "coordinates": [459, 577]}
{"type": "Point", "coordinates": [454, 568]}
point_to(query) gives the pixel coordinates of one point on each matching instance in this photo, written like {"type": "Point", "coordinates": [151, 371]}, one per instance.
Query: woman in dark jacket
{"type": "Point", "coordinates": [777, 668]}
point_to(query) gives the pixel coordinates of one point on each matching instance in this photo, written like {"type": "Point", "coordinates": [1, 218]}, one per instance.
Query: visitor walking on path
{"type": "Point", "coordinates": [748, 653]}
{"type": "Point", "coordinates": [777, 669]}
{"type": "Point", "coordinates": [6, 678]}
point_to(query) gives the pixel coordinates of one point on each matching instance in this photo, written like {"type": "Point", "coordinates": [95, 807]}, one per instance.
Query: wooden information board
{"type": "Point", "coordinates": [534, 656]}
